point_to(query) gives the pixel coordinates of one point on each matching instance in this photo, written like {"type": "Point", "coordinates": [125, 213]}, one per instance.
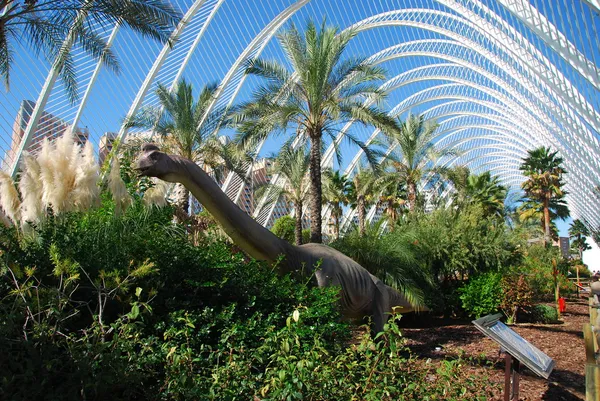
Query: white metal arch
{"type": "Point", "coordinates": [162, 57]}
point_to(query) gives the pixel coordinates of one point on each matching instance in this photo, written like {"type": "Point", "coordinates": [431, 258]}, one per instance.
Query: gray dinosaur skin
{"type": "Point", "coordinates": [362, 294]}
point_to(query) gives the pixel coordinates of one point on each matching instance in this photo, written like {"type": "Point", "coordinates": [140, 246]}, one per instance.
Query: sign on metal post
{"type": "Point", "coordinates": [519, 351]}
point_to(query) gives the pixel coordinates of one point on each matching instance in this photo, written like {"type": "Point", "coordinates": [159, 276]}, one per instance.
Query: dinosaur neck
{"type": "Point", "coordinates": [245, 232]}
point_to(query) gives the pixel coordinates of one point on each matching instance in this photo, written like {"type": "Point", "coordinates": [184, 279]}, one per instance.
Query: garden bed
{"type": "Point", "coordinates": [438, 339]}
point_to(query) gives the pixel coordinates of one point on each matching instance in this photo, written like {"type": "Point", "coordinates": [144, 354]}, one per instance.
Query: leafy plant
{"type": "Point", "coordinates": [544, 314]}
{"type": "Point", "coordinates": [516, 295]}
{"type": "Point", "coordinates": [482, 295]}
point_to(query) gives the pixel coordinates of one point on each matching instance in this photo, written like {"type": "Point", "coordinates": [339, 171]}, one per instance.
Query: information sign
{"type": "Point", "coordinates": [515, 345]}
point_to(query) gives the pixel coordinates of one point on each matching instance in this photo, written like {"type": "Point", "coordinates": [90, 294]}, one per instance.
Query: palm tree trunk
{"type": "Point", "coordinates": [361, 215]}
{"type": "Point", "coordinates": [546, 221]}
{"type": "Point", "coordinates": [298, 227]}
{"type": "Point", "coordinates": [183, 199]}
{"type": "Point", "coordinates": [391, 215]}
{"type": "Point", "coordinates": [580, 248]}
{"type": "Point", "coordinates": [412, 195]}
{"type": "Point", "coordinates": [336, 223]}
{"type": "Point", "coordinates": [316, 195]}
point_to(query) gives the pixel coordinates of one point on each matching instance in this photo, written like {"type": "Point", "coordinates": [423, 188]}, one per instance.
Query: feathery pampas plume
{"type": "Point", "coordinates": [157, 194]}
{"type": "Point", "coordinates": [9, 197]}
{"type": "Point", "coordinates": [86, 189]}
{"type": "Point", "coordinates": [117, 187]}
{"type": "Point", "coordinates": [31, 189]}
{"type": "Point", "coordinates": [68, 175]}
{"type": "Point", "coordinates": [64, 162]}
{"type": "Point", "coordinates": [44, 160]}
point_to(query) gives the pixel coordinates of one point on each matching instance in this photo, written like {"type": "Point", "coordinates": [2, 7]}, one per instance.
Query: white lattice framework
{"type": "Point", "coordinates": [501, 77]}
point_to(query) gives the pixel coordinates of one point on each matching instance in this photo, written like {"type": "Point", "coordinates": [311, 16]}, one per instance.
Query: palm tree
{"type": "Point", "coordinates": [544, 172]}
{"type": "Point", "coordinates": [186, 132]}
{"type": "Point", "coordinates": [51, 27]}
{"type": "Point", "coordinates": [578, 231]}
{"type": "Point", "coordinates": [335, 194]}
{"type": "Point", "coordinates": [392, 195]}
{"type": "Point", "coordinates": [459, 177]}
{"type": "Point", "coordinates": [413, 152]}
{"type": "Point", "coordinates": [321, 92]}
{"type": "Point", "coordinates": [292, 167]}
{"type": "Point", "coordinates": [361, 194]}
{"type": "Point", "coordinates": [533, 211]}
{"type": "Point", "coordinates": [488, 192]}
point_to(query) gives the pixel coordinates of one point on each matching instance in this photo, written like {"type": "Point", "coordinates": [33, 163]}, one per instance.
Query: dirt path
{"type": "Point", "coordinates": [439, 339]}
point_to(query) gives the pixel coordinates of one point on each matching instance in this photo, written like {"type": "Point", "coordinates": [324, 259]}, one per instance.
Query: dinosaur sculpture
{"type": "Point", "coordinates": [362, 293]}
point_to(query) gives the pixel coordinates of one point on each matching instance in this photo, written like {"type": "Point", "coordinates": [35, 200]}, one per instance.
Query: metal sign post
{"type": "Point", "coordinates": [512, 372]}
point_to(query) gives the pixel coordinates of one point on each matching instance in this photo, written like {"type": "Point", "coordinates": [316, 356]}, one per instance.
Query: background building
{"type": "Point", "coordinates": [49, 126]}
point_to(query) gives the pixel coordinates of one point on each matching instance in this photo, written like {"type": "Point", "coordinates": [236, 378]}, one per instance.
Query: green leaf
{"type": "Point", "coordinates": [135, 312]}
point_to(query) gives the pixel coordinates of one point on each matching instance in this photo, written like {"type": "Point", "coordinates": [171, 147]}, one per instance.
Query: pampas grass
{"type": "Point", "coordinates": [68, 175]}
{"type": "Point", "coordinates": [86, 189]}
{"type": "Point", "coordinates": [9, 197]}
{"type": "Point", "coordinates": [63, 164]}
{"type": "Point", "coordinates": [117, 188]}
{"type": "Point", "coordinates": [157, 194]}
{"type": "Point", "coordinates": [62, 177]}
{"type": "Point", "coordinates": [31, 189]}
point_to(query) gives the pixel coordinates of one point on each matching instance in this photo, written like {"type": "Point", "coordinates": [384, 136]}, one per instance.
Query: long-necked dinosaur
{"type": "Point", "coordinates": [362, 293]}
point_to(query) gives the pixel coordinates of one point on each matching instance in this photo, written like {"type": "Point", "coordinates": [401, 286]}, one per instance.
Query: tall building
{"type": "Point", "coordinates": [49, 126]}
{"type": "Point", "coordinates": [261, 175]}
{"type": "Point", "coordinates": [105, 146]}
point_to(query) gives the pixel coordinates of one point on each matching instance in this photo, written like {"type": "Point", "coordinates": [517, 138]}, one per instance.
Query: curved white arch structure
{"type": "Point", "coordinates": [500, 76]}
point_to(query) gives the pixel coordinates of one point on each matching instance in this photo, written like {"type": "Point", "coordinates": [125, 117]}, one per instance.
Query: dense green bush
{"type": "Point", "coordinates": [434, 254]}
{"type": "Point", "coordinates": [86, 294]}
{"type": "Point", "coordinates": [516, 295]}
{"type": "Point", "coordinates": [482, 295]}
{"type": "Point", "coordinates": [391, 257]}
{"type": "Point", "coordinates": [538, 271]}
{"type": "Point", "coordinates": [544, 314]}
{"type": "Point", "coordinates": [284, 228]}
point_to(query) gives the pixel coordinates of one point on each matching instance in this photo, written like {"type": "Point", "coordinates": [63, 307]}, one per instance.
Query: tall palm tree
{"type": "Point", "coordinates": [292, 167]}
{"type": "Point", "coordinates": [578, 231]}
{"type": "Point", "coordinates": [544, 172]}
{"type": "Point", "coordinates": [488, 192]}
{"type": "Point", "coordinates": [414, 152]}
{"type": "Point", "coordinates": [392, 195]}
{"type": "Point", "coordinates": [311, 100]}
{"type": "Point", "coordinates": [362, 194]}
{"type": "Point", "coordinates": [533, 211]}
{"type": "Point", "coordinates": [180, 122]}
{"type": "Point", "coordinates": [335, 194]}
{"type": "Point", "coordinates": [47, 26]}
{"type": "Point", "coordinates": [458, 176]}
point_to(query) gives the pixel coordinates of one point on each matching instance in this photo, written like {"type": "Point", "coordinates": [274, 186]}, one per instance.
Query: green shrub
{"type": "Point", "coordinates": [516, 295]}
{"type": "Point", "coordinates": [390, 257]}
{"type": "Point", "coordinates": [482, 295]}
{"type": "Point", "coordinates": [284, 227]}
{"type": "Point", "coordinates": [537, 269]}
{"type": "Point", "coordinates": [544, 314]}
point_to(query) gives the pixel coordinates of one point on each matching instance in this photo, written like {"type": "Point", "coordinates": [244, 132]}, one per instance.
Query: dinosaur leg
{"type": "Point", "coordinates": [380, 312]}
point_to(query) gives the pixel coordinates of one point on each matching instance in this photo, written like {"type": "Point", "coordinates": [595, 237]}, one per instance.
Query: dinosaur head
{"type": "Point", "coordinates": [154, 163]}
